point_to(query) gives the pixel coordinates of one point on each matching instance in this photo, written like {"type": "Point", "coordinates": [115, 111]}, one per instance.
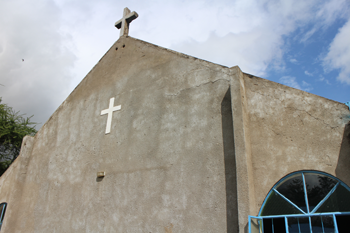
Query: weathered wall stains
{"type": "Point", "coordinates": [164, 158]}
{"type": "Point", "coordinates": [169, 228]}
{"type": "Point", "coordinates": [293, 130]}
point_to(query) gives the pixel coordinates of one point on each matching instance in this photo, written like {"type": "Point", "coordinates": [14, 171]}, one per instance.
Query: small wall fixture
{"type": "Point", "coordinates": [101, 174]}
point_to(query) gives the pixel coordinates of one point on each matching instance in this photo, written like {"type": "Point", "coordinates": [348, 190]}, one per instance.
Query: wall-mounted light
{"type": "Point", "coordinates": [101, 174]}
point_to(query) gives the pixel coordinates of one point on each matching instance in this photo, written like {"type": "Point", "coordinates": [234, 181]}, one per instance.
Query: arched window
{"type": "Point", "coordinates": [2, 212]}
{"type": "Point", "coordinates": [304, 202]}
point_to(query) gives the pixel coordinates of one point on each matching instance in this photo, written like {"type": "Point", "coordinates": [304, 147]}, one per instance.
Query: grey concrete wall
{"type": "Point", "coordinates": [169, 159]}
{"type": "Point", "coordinates": [293, 130]}
{"type": "Point", "coordinates": [13, 184]}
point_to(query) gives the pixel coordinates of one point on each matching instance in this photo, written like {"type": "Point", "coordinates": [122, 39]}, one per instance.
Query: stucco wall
{"type": "Point", "coordinates": [165, 160]}
{"type": "Point", "coordinates": [293, 130]}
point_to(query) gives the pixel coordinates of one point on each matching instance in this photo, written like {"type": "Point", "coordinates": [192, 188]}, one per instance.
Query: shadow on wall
{"type": "Point", "coordinates": [230, 164]}
{"type": "Point", "coordinates": [343, 167]}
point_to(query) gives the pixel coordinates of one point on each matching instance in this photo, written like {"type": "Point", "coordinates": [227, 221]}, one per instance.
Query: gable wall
{"type": "Point", "coordinates": [165, 159]}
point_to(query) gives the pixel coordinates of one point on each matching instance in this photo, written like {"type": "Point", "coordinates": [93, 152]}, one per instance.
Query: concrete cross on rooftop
{"type": "Point", "coordinates": [124, 22]}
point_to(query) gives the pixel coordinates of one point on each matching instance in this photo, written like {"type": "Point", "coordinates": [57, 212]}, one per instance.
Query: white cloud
{"type": "Point", "coordinates": [252, 51]}
{"type": "Point", "coordinates": [254, 46]}
{"type": "Point", "coordinates": [331, 10]}
{"type": "Point", "coordinates": [40, 83]}
{"type": "Point", "coordinates": [308, 34]}
{"type": "Point", "coordinates": [293, 60]}
{"type": "Point", "coordinates": [259, 44]}
{"type": "Point", "coordinates": [306, 86]}
{"type": "Point", "coordinates": [61, 40]}
{"type": "Point", "coordinates": [308, 73]}
{"type": "Point", "coordinates": [324, 15]}
{"type": "Point", "coordinates": [323, 79]}
{"type": "Point", "coordinates": [338, 56]}
{"type": "Point", "coordinates": [290, 81]}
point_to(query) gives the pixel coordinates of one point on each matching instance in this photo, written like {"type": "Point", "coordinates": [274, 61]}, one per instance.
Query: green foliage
{"type": "Point", "coordinates": [13, 127]}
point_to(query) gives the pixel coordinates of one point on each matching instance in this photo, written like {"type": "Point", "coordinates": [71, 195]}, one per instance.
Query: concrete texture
{"type": "Point", "coordinates": [195, 147]}
{"type": "Point", "coordinates": [123, 24]}
{"type": "Point", "coordinates": [293, 130]}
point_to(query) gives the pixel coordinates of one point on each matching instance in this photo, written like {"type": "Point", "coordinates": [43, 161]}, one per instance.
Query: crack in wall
{"type": "Point", "coordinates": [192, 87]}
{"type": "Point", "coordinates": [295, 109]}
{"type": "Point", "coordinates": [282, 135]}
{"type": "Point", "coordinates": [278, 133]}
{"type": "Point", "coordinates": [316, 118]}
{"type": "Point", "coordinates": [267, 96]}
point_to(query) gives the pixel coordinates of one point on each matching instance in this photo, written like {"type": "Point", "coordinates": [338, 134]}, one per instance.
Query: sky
{"type": "Point", "coordinates": [48, 46]}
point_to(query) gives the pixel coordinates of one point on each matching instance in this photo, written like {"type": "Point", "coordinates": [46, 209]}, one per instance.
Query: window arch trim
{"type": "Point", "coordinates": [273, 189]}
{"type": "Point", "coordinates": [3, 206]}
{"type": "Point", "coordinates": [323, 213]}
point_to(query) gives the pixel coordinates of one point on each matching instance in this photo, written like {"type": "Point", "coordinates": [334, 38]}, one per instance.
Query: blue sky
{"type": "Point", "coordinates": [302, 44]}
{"type": "Point", "coordinates": [305, 67]}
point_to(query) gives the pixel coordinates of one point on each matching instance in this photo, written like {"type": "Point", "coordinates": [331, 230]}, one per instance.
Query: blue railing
{"type": "Point", "coordinates": [256, 224]}
{"type": "Point", "coordinates": [307, 220]}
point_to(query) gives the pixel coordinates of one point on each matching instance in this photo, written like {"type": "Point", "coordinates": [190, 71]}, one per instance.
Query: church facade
{"type": "Point", "coordinates": [153, 140]}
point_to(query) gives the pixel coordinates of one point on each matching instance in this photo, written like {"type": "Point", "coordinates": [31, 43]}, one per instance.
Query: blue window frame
{"type": "Point", "coordinates": [304, 202]}
{"type": "Point", "coordinates": [2, 212]}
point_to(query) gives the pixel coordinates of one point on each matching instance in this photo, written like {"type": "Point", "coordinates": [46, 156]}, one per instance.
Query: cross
{"type": "Point", "coordinates": [110, 111]}
{"type": "Point", "coordinates": [124, 22]}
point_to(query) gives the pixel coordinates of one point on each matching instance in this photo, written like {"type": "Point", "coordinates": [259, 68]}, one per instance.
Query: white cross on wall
{"type": "Point", "coordinates": [124, 22]}
{"type": "Point", "coordinates": [110, 111]}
